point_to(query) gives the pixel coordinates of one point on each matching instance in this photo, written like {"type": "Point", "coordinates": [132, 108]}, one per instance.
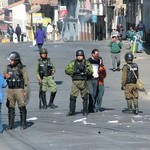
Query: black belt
{"type": "Point", "coordinates": [95, 78]}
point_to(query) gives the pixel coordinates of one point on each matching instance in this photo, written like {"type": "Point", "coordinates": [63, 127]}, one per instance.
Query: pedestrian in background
{"type": "Point", "coordinates": [141, 28]}
{"type": "Point", "coordinates": [93, 82]}
{"type": "Point", "coordinates": [40, 37]}
{"type": "Point", "coordinates": [115, 50]}
{"type": "Point", "coordinates": [129, 33]}
{"type": "Point", "coordinates": [49, 31]}
{"type": "Point", "coordinates": [10, 31]}
{"type": "Point", "coordinates": [129, 83]}
{"type": "Point", "coordinates": [60, 26]}
{"type": "Point", "coordinates": [133, 37]}
{"type": "Point", "coordinates": [101, 87]}
{"type": "Point", "coordinates": [79, 69]}
{"type": "Point", "coordinates": [100, 32]}
{"type": "Point", "coordinates": [139, 42]}
{"type": "Point", "coordinates": [17, 79]}
{"type": "Point", "coordinates": [18, 32]}
{"type": "Point", "coordinates": [114, 33]}
{"type": "Point", "coordinates": [45, 75]}
{"type": "Point", "coordinates": [120, 29]}
{"type": "Point", "coordinates": [3, 84]}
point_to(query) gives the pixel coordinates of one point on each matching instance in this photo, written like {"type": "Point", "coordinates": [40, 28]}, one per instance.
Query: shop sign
{"type": "Point", "coordinates": [37, 18]}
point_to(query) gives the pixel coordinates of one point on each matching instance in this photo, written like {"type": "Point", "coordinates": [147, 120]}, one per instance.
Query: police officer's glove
{"type": "Point", "coordinates": [122, 88]}
{"type": "Point", "coordinates": [7, 103]}
{"type": "Point", "coordinates": [39, 81]}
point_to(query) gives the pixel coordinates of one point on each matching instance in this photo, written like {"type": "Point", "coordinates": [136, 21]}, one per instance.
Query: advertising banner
{"type": "Point", "coordinates": [62, 12]}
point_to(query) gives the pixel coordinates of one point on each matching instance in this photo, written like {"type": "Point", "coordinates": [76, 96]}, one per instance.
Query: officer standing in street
{"type": "Point", "coordinates": [79, 69]}
{"type": "Point", "coordinates": [17, 79]}
{"type": "Point", "coordinates": [129, 82]}
{"type": "Point", "coordinates": [44, 74]}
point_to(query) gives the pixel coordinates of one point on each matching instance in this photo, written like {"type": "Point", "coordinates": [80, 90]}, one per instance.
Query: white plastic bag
{"type": "Point", "coordinates": [34, 43]}
{"type": "Point", "coordinates": [15, 38]}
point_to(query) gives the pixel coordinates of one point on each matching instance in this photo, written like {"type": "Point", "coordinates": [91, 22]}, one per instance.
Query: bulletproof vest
{"type": "Point", "coordinates": [130, 76]}
{"type": "Point", "coordinates": [16, 80]}
{"type": "Point", "coordinates": [79, 70]}
{"type": "Point", "coordinates": [45, 67]}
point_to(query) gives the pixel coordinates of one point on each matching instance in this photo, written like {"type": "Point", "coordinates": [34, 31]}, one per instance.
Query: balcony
{"type": "Point", "coordinates": [8, 19]}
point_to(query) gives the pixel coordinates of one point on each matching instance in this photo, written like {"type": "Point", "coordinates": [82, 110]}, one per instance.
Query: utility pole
{"type": "Point", "coordinates": [106, 19]}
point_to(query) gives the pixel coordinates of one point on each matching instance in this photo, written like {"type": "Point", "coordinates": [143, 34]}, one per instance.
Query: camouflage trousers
{"type": "Point", "coordinates": [79, 86]}
{"type": "Point", "coordinates": [131, 91]}
{"type": "Point", "coordinates": [16, 95]}
{"type": "Point", "coordinates": [49, 83]}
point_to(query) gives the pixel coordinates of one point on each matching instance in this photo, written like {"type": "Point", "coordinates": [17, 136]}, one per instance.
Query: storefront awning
{"type": "Point", "coordinates": [35, 8]}
{"type": "Point", "coordinates": [45, 2]}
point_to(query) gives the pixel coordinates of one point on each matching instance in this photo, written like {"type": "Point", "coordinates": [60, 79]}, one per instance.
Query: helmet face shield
{"type": "Point", "coordinates": [13, 56]}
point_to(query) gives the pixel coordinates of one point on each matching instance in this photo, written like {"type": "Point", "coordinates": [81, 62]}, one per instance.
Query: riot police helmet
{"type": "Point", "coordinates": [129, 57]}
{"type": "Point", "coordinates": [14, 56]}
{"type": "Point", "coordinates": [80, 52]}
{"type": "Point", "coordinates": [43, 51]}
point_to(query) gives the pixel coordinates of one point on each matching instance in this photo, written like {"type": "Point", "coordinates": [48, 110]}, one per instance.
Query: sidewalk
{"type": "Point", "coordinates": [147, 48]}
{"type": "Point", "coordinates": [145, 45]}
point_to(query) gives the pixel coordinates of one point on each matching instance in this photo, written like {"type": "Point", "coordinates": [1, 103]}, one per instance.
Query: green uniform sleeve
{"type": "Point", "coordinates": [70, 68]}
{"type": "Point", "coordinates": [53, 67]}
{"type": "Point", "coordinates": [37, 70]}
{"type": "Point", "coordinates": [124, 75]}
{"type": "Point", "coordinates": [89, 68]}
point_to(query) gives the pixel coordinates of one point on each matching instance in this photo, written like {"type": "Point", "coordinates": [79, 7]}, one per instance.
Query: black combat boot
{"type": "Point", "coordinates": [11, 118]}
{"type": "Point", "coordinates": [44, 100]}
{"type": "Point", "coordinates": [23, 114]}
{"type": "Point", "coordinates": [135, 101]}
{"type": "Point", "coordinates": [51, 104]}
{"type": "Point", "coordinates": [40, 99]}
{"type": "Point", "coordinates": [129, 105]}
{"type": "Point", "coordinates": [72, 106]}
{"type": "Point", "coordinates": [85, 105]}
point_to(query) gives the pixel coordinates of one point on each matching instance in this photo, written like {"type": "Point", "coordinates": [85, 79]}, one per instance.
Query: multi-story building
{"type": "Point", "coordinates": [82, 18]}
{"type": "Point", "coordinates": [3, 3]}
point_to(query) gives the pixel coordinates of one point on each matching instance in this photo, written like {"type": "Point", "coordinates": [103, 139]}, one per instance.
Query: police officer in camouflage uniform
{"type": "Point", "coordinates": [129, 83]}
{"type": "Point", "coordinates": [79, 69]}
{"type": "Point", "coordinates": [44, 73]}
{"type": "Point", "coordinates": [17, 79]}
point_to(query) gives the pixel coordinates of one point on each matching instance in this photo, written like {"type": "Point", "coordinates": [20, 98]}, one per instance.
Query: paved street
{"type": "Point", "coordinates": [52, 130]}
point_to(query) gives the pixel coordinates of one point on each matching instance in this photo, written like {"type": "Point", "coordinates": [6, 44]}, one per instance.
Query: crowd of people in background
{"type": "Point", "coordinates": [133, 34]}
{"type": "Point", "coordinates": [52, 32]}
